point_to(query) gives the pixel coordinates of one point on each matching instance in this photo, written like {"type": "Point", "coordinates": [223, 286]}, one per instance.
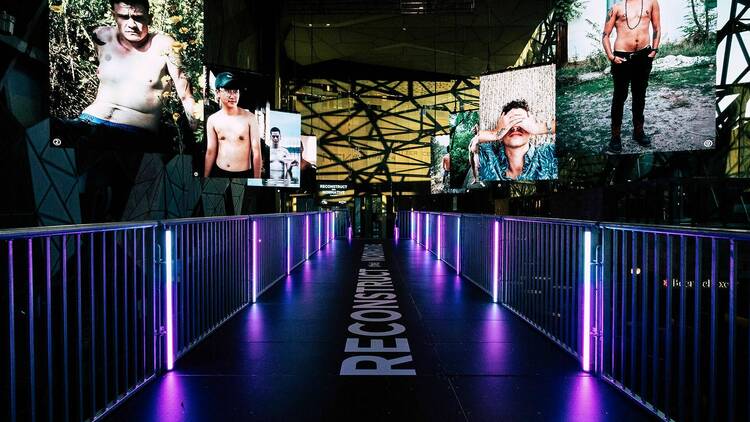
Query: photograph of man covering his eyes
{"type": "Point", "coordinates": [134, 70]}
{"type": "Point", "coordinates": [506, 152]}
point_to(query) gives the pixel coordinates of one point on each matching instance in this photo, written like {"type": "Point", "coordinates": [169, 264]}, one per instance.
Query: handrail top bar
{"type": "Point", "coordinates": [665, 229]}
{"type": "Point", "coordinates": [217, 219]}
{"type": "Point", "coordinates": [550, 220]}
{"type": "Point", "coordinates": [29, 232]}
{"type": "Point", "coordinates": [287, 214]}
{"type": "Point", "coordinates": [33, 232]}
{"type": "Point", "coordinates": [680, 230]}
{"type": "Point", "coordinates": [513, 218]}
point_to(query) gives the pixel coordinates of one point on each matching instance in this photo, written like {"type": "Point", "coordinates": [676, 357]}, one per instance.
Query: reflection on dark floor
{"type": "Point", "coordinates": [279, 359]}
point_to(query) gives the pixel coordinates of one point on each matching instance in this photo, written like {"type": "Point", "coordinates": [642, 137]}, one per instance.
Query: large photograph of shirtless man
{"type": "Point", "coordinates": [126, 79]}
{"type": "Point", "coordinates": [126, 74]}
{"type": "Point", "coordinates": [640, 81]}
{"type": "Point", "coordinates": [232, 135]}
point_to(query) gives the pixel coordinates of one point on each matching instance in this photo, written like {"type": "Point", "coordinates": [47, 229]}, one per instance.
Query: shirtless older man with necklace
{"type": "Point", "coordinates": [632, 57]}
{"type": "Point", "coordinates": [133, 64]}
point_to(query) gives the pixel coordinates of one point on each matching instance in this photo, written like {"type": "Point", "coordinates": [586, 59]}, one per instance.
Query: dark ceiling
{"type": "Point", "coordinates": [457, 37]}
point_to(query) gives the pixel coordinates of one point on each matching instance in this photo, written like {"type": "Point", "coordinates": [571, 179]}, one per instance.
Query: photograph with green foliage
{"type": "Point", "coordinates": [75, 28]}
{"type": "Point", "coordinates": [463, 128]}
{"type": "Point", "coordinates": [679, 111]}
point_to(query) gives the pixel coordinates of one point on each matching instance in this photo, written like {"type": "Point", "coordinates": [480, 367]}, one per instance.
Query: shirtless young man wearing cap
{"type": "Point", "coordinates": [133, 65]}
{"type": "Point", "coordinates": [233, 136]}
{"type": "Point", "coordinates": [633, 55]}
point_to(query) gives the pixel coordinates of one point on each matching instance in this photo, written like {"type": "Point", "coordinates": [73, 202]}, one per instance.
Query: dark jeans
{"type": "Point", "coordinates": [634, 72]}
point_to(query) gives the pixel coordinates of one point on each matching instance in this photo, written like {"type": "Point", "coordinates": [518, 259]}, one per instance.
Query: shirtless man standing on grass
{"type": "Point", "coordinates": [233, 136]}
{"type": "Point", "coordinates": [633, 55]}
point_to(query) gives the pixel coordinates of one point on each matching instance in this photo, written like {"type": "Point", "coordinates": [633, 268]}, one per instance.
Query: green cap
{"type": "Point", "coordinates": [226, 80]}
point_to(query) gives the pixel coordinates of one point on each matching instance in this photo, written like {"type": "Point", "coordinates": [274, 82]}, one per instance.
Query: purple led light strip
{"type": "Point", "coordinates": [439, 237]}
{"type": "Point", "coordinates": [168, 292]}
{"type": "Point", "coordinates": [255, 259]}
{"type": "Point", "coordinates": [586, 353]}
{"type": "Point", "coordinates": [458, 247]}
{"type": "Point", "coordinates": [495, 259]}
{"type": "Point", "coordinates": [307, 236]}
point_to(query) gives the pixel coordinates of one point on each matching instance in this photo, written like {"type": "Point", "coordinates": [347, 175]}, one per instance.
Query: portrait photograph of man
{"type": "Point", "coordinates": [645, 83]}
{"type": "Point", "coordinates": [284, 149]}
{"type": "Point", "coordinates": [232, 135]}
{"type": "Point", "coordinates": [126, 79]}
{"type": "Point", "coordinates": [126, 74]}
{"type": "Point", "coordinates": [515, 138]}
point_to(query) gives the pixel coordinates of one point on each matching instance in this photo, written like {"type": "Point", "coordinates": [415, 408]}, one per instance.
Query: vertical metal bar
{"type": "Point", "coordinates": [125, 330]}
{"type": "Point", "coordinates": [549, 291]}
{"type": "Point", "coordinates": [633, 303]}
{"type": "Point", "coordinates": [224, 240]}
{"type": "Point", "coordinates": [623, 303]}
{"type": "Point", "coordinates": [533, 275]}
{"type": "Point", "coordinates": [155, 305]}
{"type": "Point", "coordinates": [32, 336]}
{"type": "Point", "coordinates": [559, 252]}
{"type": "Point", "coordinates": [105, 338]}
{"type": "Point", "coordinates": [668, 335]}
{"type": "Point", "coordinates": [12, 332]}
{"type": "Point", "coordinates": [697, 332]}
{"type": "Point", "coordinates": [566, 287]}
{"type": "Point", "coordinates": [143, 304]}
{"type": "Point", "coordinates": [194, 253]}
{"type": "Point", "coordinates": [92, 299]}
{"type": "Point", "coordinates": [682, 329]}
{"type": "Point", "coordinates": [527, 269]}
{"type": "Point", "coordinates": [66, 361]}
{"type": "Point", "coordinates": [546, 259]}
{"type": "Point", "coordinates": [50, 372]}
{"type": "Point", "coordinates": [615, 315]}
{"type": "Point", "coordinates": [644, 313]}
{"type": "Point", "coordinates": [115, 314]}
{"type": "Point", "coordinates": [210, 287]}
{"type": "Point", "coordinates": [732, 318]}
{"type": "Point", "coordinates": [79, 300]}
{"type": "Point", "coordinates": [655, 330]}
{"type": "Point", "coordinates": [577, 291]}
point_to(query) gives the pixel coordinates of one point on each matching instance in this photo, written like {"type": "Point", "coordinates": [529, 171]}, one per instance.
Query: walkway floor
{"type": "Point", "coordinates": [280, 358]}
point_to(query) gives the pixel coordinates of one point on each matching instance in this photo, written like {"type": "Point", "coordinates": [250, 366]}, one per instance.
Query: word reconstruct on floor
{"type": "Point", "coordinates": [376, 340]}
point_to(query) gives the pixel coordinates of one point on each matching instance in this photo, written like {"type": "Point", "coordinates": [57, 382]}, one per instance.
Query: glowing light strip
{"type": "Point", "coordinates": [319, 231]}
{"type": "Point", "coordinates": [170, 328]}
{"type": "Point", "coordinates": [307, 236]}
{"type": "Point", "coordinates": [495, 260]}
{"type": "Point", "coordinates": [419, 229]}
{"type": "Point", "coordinates": [458, 247]}
{"type": "Point", "coordinates": [288, 245]}
{"type": "Point", "coordinates": [255, 259]}
{"type": "Point", "coordinates": [439, 236]}
{"type": "Point", "coordinates": [586, 355]}
{"type": "Point", "coordinates": [427, 231]}
{"type": "Point", "coordinates": [412, 227]}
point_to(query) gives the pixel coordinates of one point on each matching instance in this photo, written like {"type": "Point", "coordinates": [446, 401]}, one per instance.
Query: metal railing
{"type": "Point", "coordinates": [675, 312]}
{"type": "Point", "coordinates": [211, 272]}
{"type": "Point", "coordinates": [82, 319]}
{"type": "Point", "coordinates": [659, 312]}
{"type": "Point", "coordinates": [93, 312]}
{"type": "Point", "coordinates": [476, 253]}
